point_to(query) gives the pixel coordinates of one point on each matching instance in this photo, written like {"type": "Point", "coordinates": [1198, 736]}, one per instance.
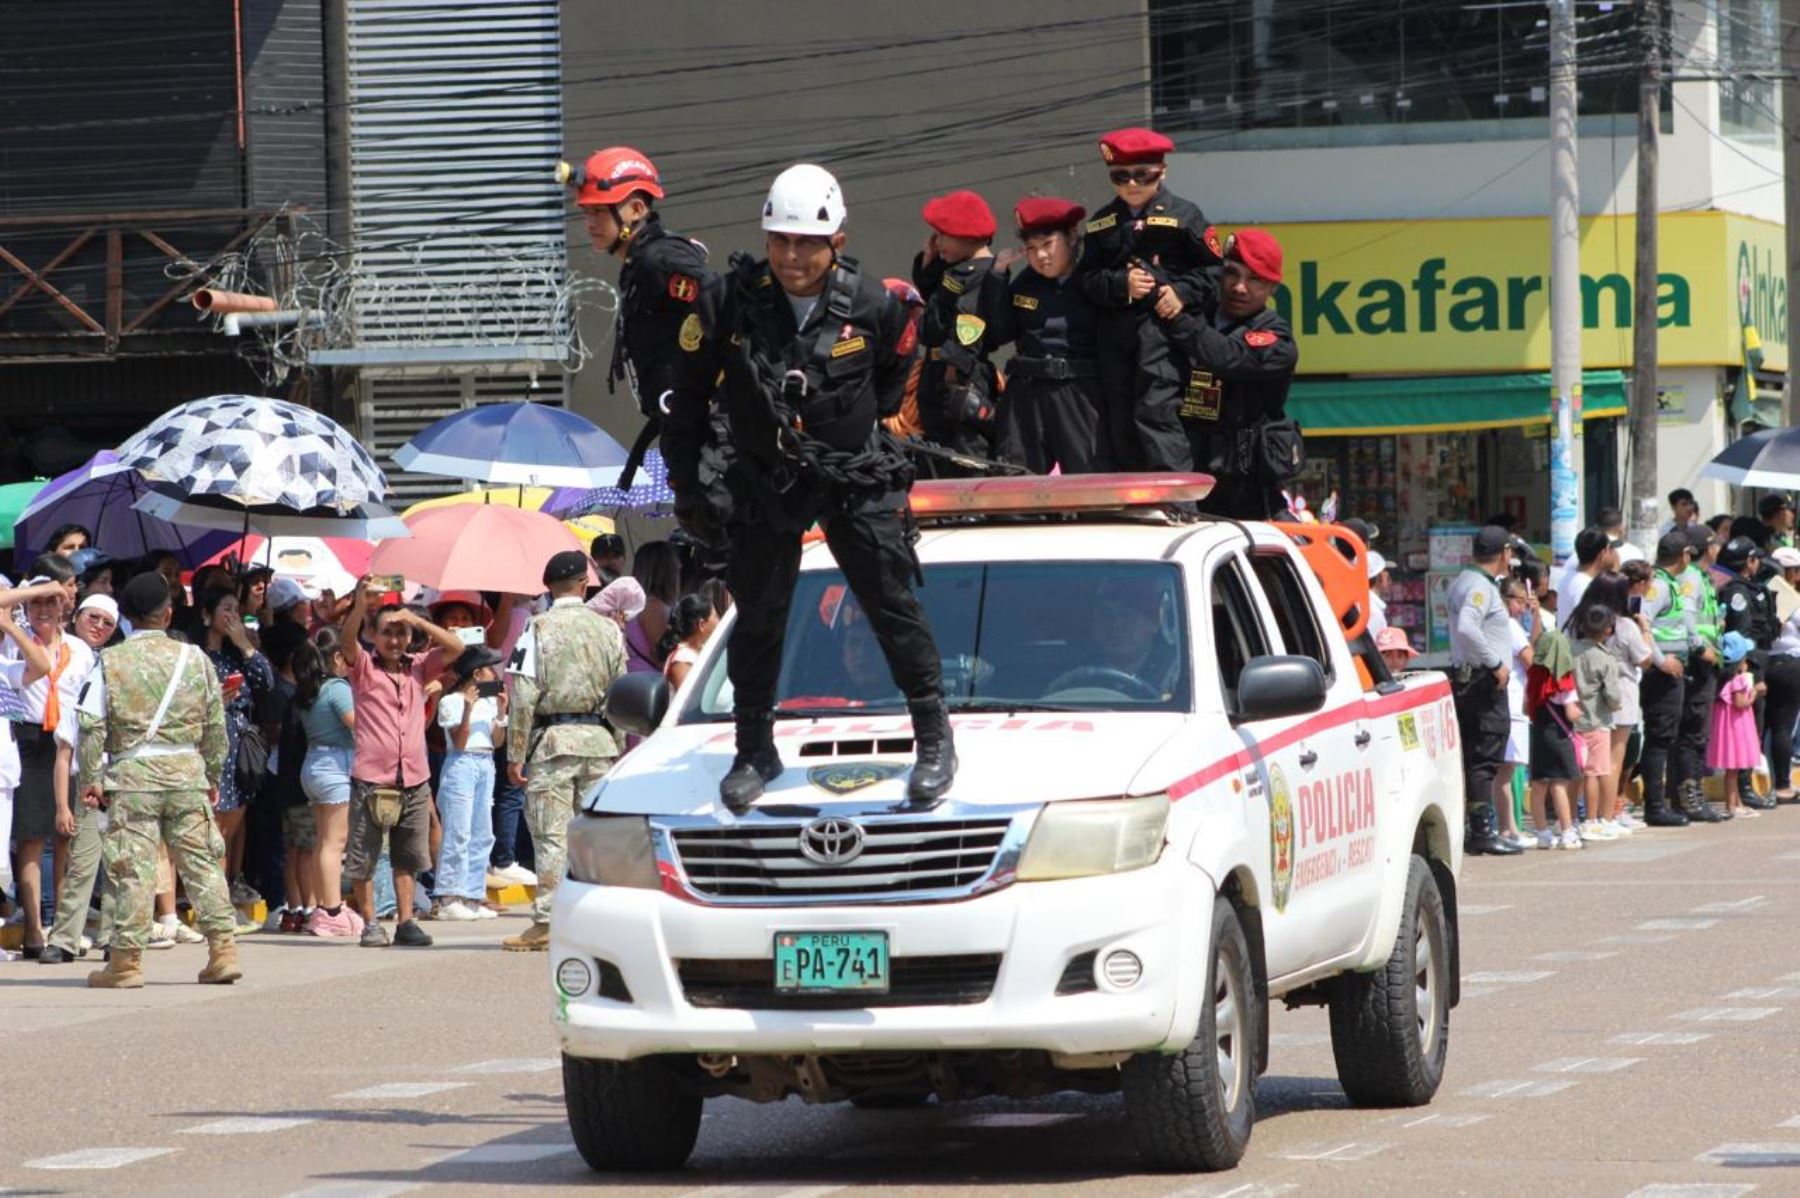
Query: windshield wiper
{"type": "Point", "coordinates": [1001, 705]}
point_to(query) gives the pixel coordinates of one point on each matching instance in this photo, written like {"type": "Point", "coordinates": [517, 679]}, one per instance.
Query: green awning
{"type": "Point", "coordinates": [1366, 407]}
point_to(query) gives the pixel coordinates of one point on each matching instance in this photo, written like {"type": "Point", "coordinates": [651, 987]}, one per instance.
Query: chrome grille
{"type": "Point", "coordinates": [899, 857]}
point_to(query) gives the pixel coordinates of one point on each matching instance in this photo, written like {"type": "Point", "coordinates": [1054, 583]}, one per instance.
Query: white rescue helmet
{"type": "Point", "coordinates": [804, 200]}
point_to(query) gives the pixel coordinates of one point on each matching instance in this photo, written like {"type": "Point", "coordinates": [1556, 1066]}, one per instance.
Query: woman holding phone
{"type": "Point", "coordinates": [245, 677]}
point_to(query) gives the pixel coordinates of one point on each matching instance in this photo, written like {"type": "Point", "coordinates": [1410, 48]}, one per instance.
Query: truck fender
{"type": "Point", "coordinates": [1237, 884]}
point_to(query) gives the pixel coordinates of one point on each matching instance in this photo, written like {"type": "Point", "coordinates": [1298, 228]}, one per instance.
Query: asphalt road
{"type": "Point", "coordinates": [1630, 1026]}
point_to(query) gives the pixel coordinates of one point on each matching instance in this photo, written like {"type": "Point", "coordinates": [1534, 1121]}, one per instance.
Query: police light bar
{"type": "Point", "coordinates": [1044, 494]}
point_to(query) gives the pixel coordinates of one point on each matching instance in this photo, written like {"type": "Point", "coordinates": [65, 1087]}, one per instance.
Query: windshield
{"type": "Point", "coordinates": [1057, 636]}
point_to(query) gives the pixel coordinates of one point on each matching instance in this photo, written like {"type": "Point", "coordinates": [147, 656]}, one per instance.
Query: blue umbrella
{"type": "Point", "coordinates": [525, 443]}
{"type": "Point", "coordinates": [650, 490]}
{"type": "Point", "coordinates": [98, 495]}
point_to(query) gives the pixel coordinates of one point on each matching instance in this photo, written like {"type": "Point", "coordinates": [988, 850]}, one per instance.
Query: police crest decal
{"type": "Point", "coordinates": [1281, 837]}
{"type": "Point", "coordinates": [845, 779]}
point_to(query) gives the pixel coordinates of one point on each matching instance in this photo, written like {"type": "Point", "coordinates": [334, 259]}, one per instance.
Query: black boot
{"type": "Point", "coordinates": [1694, 804]}
{"type": "Point", "coordinates": [1747, 792]}
{"type": "Point", "coordinates": [1658, 814]}
{"type": "Point", "coordinates": [1481, 838]}
{"type": "Point", "coordinates": [756, 764]}
{"type": "Point", "coordinates": [934, 754]}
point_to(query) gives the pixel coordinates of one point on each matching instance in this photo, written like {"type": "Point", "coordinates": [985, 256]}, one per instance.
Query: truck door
{"type": "Point", "coordinates": [1336, 793]}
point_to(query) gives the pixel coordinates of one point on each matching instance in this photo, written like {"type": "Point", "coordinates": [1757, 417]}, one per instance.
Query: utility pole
{"type": "Point", "coordinates": [1565, 288]}
{"type": "Point", "coordinates": [1642, 511]}
{"type": "Point", "coordinates": [1790, 165]}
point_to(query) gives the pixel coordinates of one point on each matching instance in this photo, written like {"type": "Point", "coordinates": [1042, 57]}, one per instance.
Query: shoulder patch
{"type": "Point", "coordinates": [1027, 302]}
{"type": "Point", "coordinates": [1688, 587]}
{"type": "Point", "coordinates": [683, 288]}
{"type": "Point", "coordinates": [1478, 597]}
{"type": "Point", "coordinates": [1260, 339]}
{"type": "Point", "coordinates": [689, 337]}
{"type": "Point", "coordinates": [909, 336]}
{"type": "Point", "coordinates": [969, 328]}
{"type": "Point", "coordinates": [1164, 222]}
{"type": "Point", "coordinates": [1211, 238]}
{"type": "Point", "coordinates": [1104, 223]}
{"type": "Point", "coordinates": [1739, 601]}
{"type": "Point", "coordinates": [954, 285]}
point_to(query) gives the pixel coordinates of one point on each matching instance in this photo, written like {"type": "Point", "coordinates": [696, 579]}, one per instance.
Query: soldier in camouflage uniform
{"type": "Point", "coordinates": [152, 710]}
{"type": "Point", "coordinates": [558, 744]}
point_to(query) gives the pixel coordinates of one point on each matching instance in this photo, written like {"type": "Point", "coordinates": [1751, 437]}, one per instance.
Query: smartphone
{"type": "Point", "coordinates": [251, 623]}
{"type": "Point", "coordinates": [388, 584]}
{"type": "Point", "coordinates": [232, 684]}
{"type": "Point", "coordinates": [489, 690]}
{"type": "Point", "coordinates": [472, 635]}
{"type": "Point", "coordinates": [1637, 604]}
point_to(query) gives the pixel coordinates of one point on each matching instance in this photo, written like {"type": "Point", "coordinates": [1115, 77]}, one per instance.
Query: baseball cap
{"type": "Point", "coordinates": [285, 593]}
{"type": "Point", "coordinates": [1786, 559]}
{"type": "Point", "coordinates": [1700, 538]}
{"type": "Point", "coordinates": [1768, 505]}
{"type": "Point", "coordinates": [1737, 551]}
{"type": "Point", "coordinates": [569, 564]}
{"type": "Point", "coordinates": [1392, 640]}
{"type": "Point", "coordinates": [1377, 564]}
{"type": "Point", "coordinates": [1671, 545]}
{"type": "Point", "coordinates": [1491, 540]}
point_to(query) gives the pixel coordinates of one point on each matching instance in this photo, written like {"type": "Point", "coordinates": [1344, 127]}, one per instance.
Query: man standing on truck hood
{"type": "Point", "coordinates": [1480, 648]}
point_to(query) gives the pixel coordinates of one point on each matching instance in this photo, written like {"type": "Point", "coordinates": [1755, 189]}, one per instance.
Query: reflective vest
{"type": "Point", "coordinates": [1706, 599]}
{"type": "Point", "coordinates": [1669, 629]}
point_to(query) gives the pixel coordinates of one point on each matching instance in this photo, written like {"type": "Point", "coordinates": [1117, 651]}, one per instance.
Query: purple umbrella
{"type": "Point", "coordinates": [650, 490]}
{"type": "Point", "coordinates": [99, 496]}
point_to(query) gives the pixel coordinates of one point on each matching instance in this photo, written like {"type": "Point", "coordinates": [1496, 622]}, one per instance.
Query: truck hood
{"type": "Point", "coordinates": [1002, 759]}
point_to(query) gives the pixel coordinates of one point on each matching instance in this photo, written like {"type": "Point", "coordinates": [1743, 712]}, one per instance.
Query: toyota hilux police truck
{"type": "Point", "coordinates": [1187, 788]}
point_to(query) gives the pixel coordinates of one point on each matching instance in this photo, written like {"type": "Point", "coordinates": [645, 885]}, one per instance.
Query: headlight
{"type": "Point", "coordinates": [1104, 836]}
{"type": "Point", "coordinates": [612, 850]}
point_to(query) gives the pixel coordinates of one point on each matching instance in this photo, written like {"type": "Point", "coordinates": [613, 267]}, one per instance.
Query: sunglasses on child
{"type": "Point", "coordinates": [1143, 174]}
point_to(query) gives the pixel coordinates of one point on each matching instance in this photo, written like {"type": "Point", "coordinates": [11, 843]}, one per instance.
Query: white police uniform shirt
{"type": "Point", "coordinates": [1478, 620]}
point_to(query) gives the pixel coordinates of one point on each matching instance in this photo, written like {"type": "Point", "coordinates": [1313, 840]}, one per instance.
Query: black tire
{"type": "Point", "coordinates": [1193, 1111]}
{"type": "Point", "coordinates": [1389, 1051]}
{"type": "Point", "coordinates": [630, 1116]}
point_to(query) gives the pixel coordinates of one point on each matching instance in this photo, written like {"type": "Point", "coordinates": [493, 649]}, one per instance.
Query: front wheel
{"type": "Point", "coordinates": [1192, 1111]}
{"type": "Point", "coordinates": [630, 1116]}
{"type": "Point", "coordinates": [1390, 1029]}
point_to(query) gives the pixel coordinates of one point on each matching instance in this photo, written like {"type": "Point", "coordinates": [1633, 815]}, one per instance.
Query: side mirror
{"type": "Point", "coordinates": [1272, 687]}
{"type": "Point", "coordinates": [638, 702]}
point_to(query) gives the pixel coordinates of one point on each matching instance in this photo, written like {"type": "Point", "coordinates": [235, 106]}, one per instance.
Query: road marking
{"type": "Point", "coordinates": [98, 1158]}
{"type": "Point", "coordinates": [1482, 908]}
{"type": "Point", "coordinates": [1015, 1119]}
{"type": "Point", "coordinates": [1759, 1155]}
{"type": "Point", "coordinates": [402, 1090]}
{"type": "Point", "coordinates": [356, 1189]}
{"type": "Point", "coordinates": [1516, 1088]}
{"type": "Point", "coordinates": [1243, 1189]}
{"type": "Point", "coordinates": [511, 1065]}
{"type": "Point", "coordinates": [1630, 938]}
{"type": "Point", "coordinates": [506, 1154]}
{"type": "Point", "coordinates": [1438, 1120]}
{"type": "Point", "coordinates": [1789, 857]}
{"type": "Point", "coordinates": [1794, 1122]}
{"type": "Point", "coordinates": [1732, 906]}
{"type": "Point", "coordinates": [244, 1125]}
{"type": "Point", "coordinates": [1298, 1039]}
{"type": "Point", "coordinates": [1765, 992]}
{"type": "Point", "coordinates": [1727, 1014]}
{"type": "Point", "coordinates": [1353, 1151]}
{"type": "Point", "coordinates": [1575, 954]}
{"type": "Point", "coordinates": [1641, 1038]}
{"type": "Point", "coordinates": [1677, 925]}
{"type": "Point", "coordinates": [1692, 1189]}
{"type": "Point", "coordinates": [1479, 991]}
{"type": "Point", "coordinates": [1587, 1065]}
{"type": "Point", "coordinates": [1509, 976]}
{"type": "Point", "coordinates": [1789, 977]}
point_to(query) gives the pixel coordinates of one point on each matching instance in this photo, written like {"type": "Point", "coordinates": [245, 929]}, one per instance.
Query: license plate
{"type": "Point", "coordinates": [830, 962]}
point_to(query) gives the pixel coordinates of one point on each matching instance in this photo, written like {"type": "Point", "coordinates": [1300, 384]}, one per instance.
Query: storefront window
{"type": "Point", "coordinates": [1292, 73]}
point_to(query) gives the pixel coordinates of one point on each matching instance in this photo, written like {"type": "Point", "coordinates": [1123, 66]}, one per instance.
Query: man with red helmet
{"type": "Point", "coordinates": [1241, 363]}
{"type": "Point", "coordinates": [1051, 416]}
{"type": "Point", "coordinates": [659, 280]}
{"type": "Point", "coordinates": [956, 274]}
{"type": "Point", "coordinates": [1146, 255]}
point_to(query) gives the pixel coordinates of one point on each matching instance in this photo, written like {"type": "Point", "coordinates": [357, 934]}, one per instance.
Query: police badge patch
{"type": "Point", "coordinates": [969, 328]}
{"type": "Point", "coordinates": [1281, 838]}
{"type": "Point", "coordinates": [844, 779]}
{"type": "Point", "coordinates": [690, 332]}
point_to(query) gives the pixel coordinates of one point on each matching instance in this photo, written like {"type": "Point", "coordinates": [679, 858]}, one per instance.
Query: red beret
{"type": "Point", "coordinates": [960, 214]}
{"type": "Point", "coordinates": [1125, 147]}
{"type": "Point", "coordinates": [1258, 251]}
{"type": "Point", "coordinates": [1040, 214]}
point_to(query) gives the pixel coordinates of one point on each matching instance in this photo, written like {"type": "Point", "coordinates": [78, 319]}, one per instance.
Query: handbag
{"type": "Point", "coordinates": [386, 804]}
{"type": "Point", "coordinates": [251, 766]}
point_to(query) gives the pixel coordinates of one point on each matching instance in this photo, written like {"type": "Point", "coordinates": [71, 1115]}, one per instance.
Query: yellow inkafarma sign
{"type": "Point", "coordinates": [1449, 296]}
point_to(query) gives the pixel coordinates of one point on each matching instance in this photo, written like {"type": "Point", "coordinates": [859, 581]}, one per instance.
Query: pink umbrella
{"type": "Point", "coordinates": [476, 547]}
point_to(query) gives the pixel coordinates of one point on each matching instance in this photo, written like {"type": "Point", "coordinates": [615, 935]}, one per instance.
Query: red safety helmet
{"type": "Point", "coordinates": [610, 176]}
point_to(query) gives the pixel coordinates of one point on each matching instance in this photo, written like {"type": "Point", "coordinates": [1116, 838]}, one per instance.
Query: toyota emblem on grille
{"type": "Point", "coordinates": [832, 841]}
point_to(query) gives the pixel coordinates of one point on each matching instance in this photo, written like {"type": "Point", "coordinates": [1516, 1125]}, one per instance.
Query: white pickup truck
{"type": "Point", "coordinates": [1181, 795]}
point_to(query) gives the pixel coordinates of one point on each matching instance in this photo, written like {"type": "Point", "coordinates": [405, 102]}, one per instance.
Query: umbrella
{"type": "Point", "coordinates": [15, 498]}
{"type": "Point", "coordinates": [650, 490]}
{"type": "Point", "coordinates": [316, 563]}
{"type": "Point", "coordinates": [476, 547]}
{"type": "Point", "coordinates": [532, 499]}
{"type": "Point", "coordinates": [526, 443]}
{"type": "Point", "coordinates": [1770, 458]}
{"type": "Point", "coordinates": [255, 451]}
{"type": "Point", "coordinates": [364, 521]}
{"type": "Point", "coordinates": [98, 496]}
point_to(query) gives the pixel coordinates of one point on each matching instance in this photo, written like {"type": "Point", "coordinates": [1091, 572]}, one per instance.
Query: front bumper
{"type": "Point", "coordinates": [1162, 914]}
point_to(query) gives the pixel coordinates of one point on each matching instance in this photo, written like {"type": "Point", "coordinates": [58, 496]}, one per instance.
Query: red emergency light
{"type": "Point", "coordinates": [1047, 494]}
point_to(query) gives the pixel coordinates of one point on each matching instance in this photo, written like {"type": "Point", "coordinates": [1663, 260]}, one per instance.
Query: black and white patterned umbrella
{"type": "Point", "coordinates": [257, 452]}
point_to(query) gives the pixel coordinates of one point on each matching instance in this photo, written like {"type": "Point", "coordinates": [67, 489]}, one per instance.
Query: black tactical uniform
{"type": "Point", "coordinates": [1051, 414]}
{"type": "Point", "coordinates": [958, 386]}
{"type": "Point", "coordinates": [1140, 375]}
{"type": "Point", "coordinates": [1237, 385]}
{"type": "Point", "coordinates": [802, 402]}
{"type": "Point", "coordinates": [1747, 607]}
{"type": "Point", "coordinates": [659, 287]}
